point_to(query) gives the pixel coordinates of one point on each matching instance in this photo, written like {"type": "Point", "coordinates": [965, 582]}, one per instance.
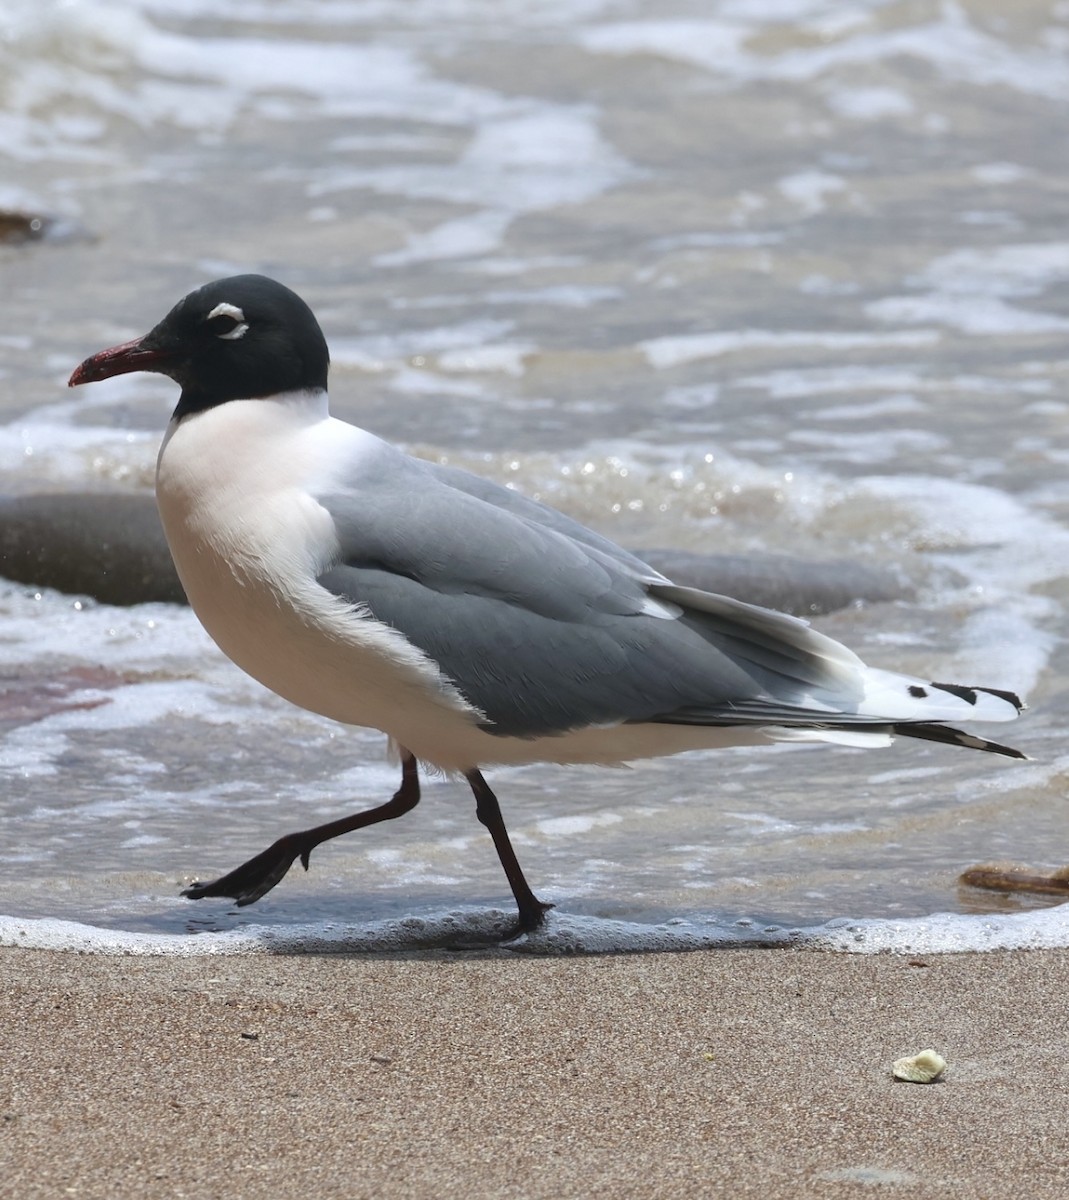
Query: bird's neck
{"type": "Point", "coordinates": [311, 404]}
{"type": "Point", "coordinates": [244, 445]}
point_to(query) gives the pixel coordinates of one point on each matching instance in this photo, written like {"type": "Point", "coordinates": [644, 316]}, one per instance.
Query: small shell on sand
{"type": "Point", "coordinates": [925, 1067]}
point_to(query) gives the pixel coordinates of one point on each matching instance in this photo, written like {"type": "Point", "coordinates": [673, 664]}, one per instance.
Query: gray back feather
{"type": "Point", "coordinates": [543, 625]}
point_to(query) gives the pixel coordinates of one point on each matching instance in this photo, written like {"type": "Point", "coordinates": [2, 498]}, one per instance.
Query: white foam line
{"type": "Point", "coordinates": [406, 933]}
{"type": "Point", "coordinates": [941, 933]}
{"type": "Point", "coordinates": [951, 45]}
{"type": "Point", "coordinates": [676, 351]}
{"type": "Point", "coordinates": [948, 933]}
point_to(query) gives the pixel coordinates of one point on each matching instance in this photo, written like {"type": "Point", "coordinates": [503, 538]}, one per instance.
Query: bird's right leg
{"type": "Point", "coordinates": [532, 911]}
{"type": "Point", "coordinates": [255, 878]}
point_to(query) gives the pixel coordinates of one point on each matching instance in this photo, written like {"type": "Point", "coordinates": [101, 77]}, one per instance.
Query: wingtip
{"type": "Point", "coordinates": [994, 748]}
{"type": "Point", "coordinates": [971, 694]}
{"type": "Point", "coordinates": [936, 732]}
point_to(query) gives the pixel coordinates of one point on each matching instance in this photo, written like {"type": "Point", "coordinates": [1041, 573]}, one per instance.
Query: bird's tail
{"type": "Point", "coordinates": [976, 697]}
{"type": "Point", "coordinates": [954, 702]}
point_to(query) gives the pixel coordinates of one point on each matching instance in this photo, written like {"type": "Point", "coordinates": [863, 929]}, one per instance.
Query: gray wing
{"type": "Point", "coordinates": [546, 627]}
{"type": "Point", "coordinates": [541, 514]}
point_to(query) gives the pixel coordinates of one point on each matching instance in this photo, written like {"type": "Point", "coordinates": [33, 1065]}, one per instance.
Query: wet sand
{"type": "Point", "coordinates": [729, 1073]}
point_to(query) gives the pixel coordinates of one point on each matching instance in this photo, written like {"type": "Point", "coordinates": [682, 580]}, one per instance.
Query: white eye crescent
{"type": "Point", "coordinates": [235, 314]}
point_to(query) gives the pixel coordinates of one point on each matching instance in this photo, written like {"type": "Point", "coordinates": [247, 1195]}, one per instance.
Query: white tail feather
{"type": "Point", "coordinates": [901, 698]}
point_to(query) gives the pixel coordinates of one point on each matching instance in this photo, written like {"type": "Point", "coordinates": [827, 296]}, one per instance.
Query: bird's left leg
{"type": "Point", "coordinates": [259, 875]}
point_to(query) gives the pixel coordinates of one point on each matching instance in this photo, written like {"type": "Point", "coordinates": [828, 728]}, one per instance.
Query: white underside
{"type": "Point", "coordinates": [249, 541]}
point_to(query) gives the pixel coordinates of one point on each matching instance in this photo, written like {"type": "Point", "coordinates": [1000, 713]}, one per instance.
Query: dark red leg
{"type": "Point", "coordinates": [255, 878]}
{"type": "Point", "coordinates": [532, 910]}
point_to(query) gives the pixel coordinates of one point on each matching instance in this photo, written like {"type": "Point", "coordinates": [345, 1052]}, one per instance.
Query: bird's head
{"type": "Point", "coordinates": [240, 338]}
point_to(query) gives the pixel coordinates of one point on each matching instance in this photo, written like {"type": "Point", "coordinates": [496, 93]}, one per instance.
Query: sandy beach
{"type": "Point", "coordinates": [732, 1073]}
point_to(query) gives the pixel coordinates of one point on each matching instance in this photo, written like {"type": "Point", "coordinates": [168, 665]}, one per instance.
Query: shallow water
{"type": "Point", "coordinates": [734, 276]}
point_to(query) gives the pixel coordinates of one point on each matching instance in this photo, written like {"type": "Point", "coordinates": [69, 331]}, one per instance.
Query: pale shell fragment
{"type": "Point", "coordinates": [925, 1067]}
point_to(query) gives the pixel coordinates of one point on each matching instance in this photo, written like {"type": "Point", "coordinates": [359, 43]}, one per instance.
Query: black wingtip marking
{"type": "Point", "coordinates": [956, 737]}
{"type": "Point", "coordinates": [1009, 697]}
{"type": "Point", "coordinates": [969, 694]}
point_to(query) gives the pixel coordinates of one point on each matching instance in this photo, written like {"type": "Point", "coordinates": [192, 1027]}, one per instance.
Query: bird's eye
{"type": "Point", "coordinates": [226, 321]}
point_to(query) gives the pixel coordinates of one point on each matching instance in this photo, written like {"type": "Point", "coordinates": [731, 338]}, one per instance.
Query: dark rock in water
{"type": "Point", "coordinates": [112, 547]}
{"type": "Point", "coordinates": [19, 227]}
{"type": "Point", "coordinates": [792, 585]}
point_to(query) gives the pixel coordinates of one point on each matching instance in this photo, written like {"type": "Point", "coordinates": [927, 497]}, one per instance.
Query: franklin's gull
{"type": "Point", "coordinates": [471, 625]}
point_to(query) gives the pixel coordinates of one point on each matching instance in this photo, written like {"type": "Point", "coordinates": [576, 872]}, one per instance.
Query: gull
{"type": "Point", "coordinates": [473, 626]}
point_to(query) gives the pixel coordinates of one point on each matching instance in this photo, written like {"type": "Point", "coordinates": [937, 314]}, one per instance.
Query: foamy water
{"type": "Point", "coordinates": [786, 277]}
